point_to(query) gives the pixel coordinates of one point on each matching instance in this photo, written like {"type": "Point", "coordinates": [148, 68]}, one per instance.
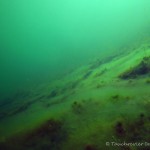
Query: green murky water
{"type": "Point", "coordinates": [41, 39]}
{"type": "Point", "coordinates": [86, 60]}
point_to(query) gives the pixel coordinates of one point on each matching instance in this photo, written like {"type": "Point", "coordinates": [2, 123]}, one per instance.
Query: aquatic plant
{"type": "Point", "coordinates": [74, 84]}
{"type": "Point", "coordinates": [99, 86]}
{"type": "Point", "coordinates": [96, 64]}
{"type": "Point", "coordinates": [49, 135]}
{"type": "Point", "coordinates": [87, 74]}
{"type": "Point", "coordinates": [77, 107]}
{"type": "Point", "coordinates": [21, 94]}
{"type": "Point", "coordinates": [120, 99]}
{"type": "Point", "coordinates": [100, 73]}
{"type": "Point", "coordinates": [53, 93]}
{"type": "Point", "coordinates": [70, 86]}
{"type": "Point", "coordinates": [147, 81]}
{"type": "Point", "coordinates": [142, 68]}
{"type": "Point", "coordinates": [115, 96]}
{"type": "Point", "coordinates": [14, 109]}
{"type": "Point", "coordinates": [90, 147]}
{"type": "Point", "coordinates": [120, 129]}
{"type": "Point", "coordinates": [135, 130]}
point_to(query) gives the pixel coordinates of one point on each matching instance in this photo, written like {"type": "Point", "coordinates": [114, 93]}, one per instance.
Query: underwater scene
{"type": "Point", "coordinates": [75, 75]}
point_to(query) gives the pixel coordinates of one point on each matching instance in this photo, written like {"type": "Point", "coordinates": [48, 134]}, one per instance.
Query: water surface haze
{"type": "Point", "coordinates": [42, 39]}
